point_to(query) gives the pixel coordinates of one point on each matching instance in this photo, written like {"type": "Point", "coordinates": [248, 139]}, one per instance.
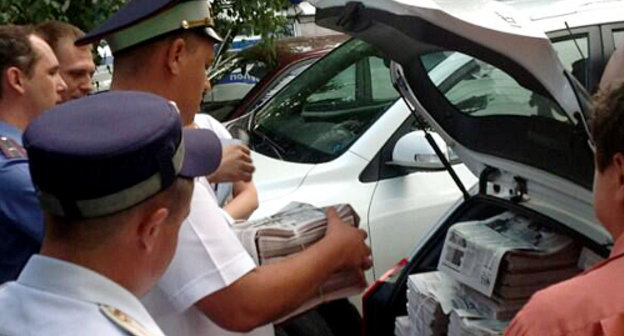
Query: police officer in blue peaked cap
{"type": "Point", "coordinates": [114, 174]}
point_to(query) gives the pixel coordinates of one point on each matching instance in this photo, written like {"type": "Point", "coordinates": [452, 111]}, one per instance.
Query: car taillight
{"type": "Point", "coordinates": [390, 273]}
{"type": "Point", "coordinates": [371, 289]}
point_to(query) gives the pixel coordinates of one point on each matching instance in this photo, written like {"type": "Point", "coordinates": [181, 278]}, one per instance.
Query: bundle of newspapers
{"type": "Point", "coordinates": [487, 271]}
{"type": "Point", "coordinates": [292, 230]}
{"type": "Point", "coordinates": [508, 257]}
{"type": "Point", "coordinates": [434, 297]}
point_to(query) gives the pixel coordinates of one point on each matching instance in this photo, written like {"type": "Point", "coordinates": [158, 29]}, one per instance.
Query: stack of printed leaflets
{"type": "Point", "coordinates": [291, 230]}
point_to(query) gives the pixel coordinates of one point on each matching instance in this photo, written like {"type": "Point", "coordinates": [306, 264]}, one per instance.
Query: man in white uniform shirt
{"type": "Point", "coordinates": [212, 286]}
{"type": "Point", "coordinates": [239, 199]}
{"type": "Point", "coordinates": [114, 196]}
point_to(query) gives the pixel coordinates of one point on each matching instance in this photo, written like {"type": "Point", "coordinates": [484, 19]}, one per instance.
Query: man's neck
{"type": "Point", "coordinates": [14, 113]}
{"type": "Point", "coordinates": [151, 85]}
{"type": "Point", "coordinates": [107, 263]}
{"type": "Point", "coordinates": [157, 86]}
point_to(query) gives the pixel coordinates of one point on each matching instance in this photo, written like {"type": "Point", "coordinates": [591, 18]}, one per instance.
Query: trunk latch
{"type": "Point", "coordinates": [519, 191]}
{"type": "Point", "coordinates": [515, 191]}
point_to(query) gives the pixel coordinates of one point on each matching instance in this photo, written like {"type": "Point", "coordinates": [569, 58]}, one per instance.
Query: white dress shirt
{"type": "Point", "coordinates": [54, 297]}
{"type": "Point", "coordinates": [209, 258]}
{"type": "Point", "coordinates": [223, 191]}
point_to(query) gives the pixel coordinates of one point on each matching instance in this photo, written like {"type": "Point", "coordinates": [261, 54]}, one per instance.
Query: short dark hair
{"type": "Point", "coordinates": [55, 31]}
{"type": "Point", "coordinates": [16, 49]}
{"type": "Point", "coordinates": [608, 124]}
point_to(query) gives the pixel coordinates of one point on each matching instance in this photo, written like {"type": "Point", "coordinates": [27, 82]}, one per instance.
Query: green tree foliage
{"type": "Point", "coordinates": [249, 17]}
{"type": "Point", "coordinates": [85, 14]}
{"type": "Point", "coordinates": [233, 17]}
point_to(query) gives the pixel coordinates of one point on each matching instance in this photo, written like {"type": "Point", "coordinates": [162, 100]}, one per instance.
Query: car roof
{"type": "Point", "coordinates": [553, 15]}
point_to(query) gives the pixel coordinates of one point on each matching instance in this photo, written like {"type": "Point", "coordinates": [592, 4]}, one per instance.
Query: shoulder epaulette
{"type": "Point", "coordinates": [124, 321]}
{"type": "Point", "coordinates": [11, 149]}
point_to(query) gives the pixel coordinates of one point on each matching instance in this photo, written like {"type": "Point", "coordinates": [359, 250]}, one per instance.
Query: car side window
{"type": "Point", "coordinates": [380, 79]}
{"type": "Point", "coordinates": [339, 89]}
{"type": "Point", "coordinates": [573, 59]}
{"type": "Point", "coordinates": [479, 89]}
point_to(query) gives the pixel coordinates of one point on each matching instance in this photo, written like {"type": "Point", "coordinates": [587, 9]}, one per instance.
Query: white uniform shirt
{"type": "Point", "coordinates": [209, 258]}
{"type": "Point", "coordinates": [223, 191]}
{"type": "Point", "coordinates": [54, 297]}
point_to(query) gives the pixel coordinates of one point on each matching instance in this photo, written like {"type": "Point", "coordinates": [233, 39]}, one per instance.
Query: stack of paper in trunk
{"type": "Point", "coordinates": [433, 296]}
{"type": "Point", "coordinates": [402, 326]}
{"type": "Point", "coordinates": [487, 271]}
{"type": "Point", "coordinates": [467, 326]}
{"type": "Point", "coordinates": [429, 301]}
{"type": "Point", "coordinates": [507, 257]}
{"type": "Point", "coordinates": [292, 230]}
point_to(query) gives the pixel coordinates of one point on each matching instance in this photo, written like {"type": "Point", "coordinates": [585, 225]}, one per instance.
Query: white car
{"type": "Point", "coordinates": [516, 117]}
{"type": "Point", "coordinates": [330, 135]}
{"type": "Point", "coordinates": [339, 133]}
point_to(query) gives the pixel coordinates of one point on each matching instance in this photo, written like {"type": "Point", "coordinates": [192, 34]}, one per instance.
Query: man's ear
{"type": "Point", "coordinates": [618, 164]}
{"type": "Point", "coordinates": [15, 79]}
{"type": "Point", "coordinates": [176, 55]}
{"type": "Point", "coordinates": [150, 228]}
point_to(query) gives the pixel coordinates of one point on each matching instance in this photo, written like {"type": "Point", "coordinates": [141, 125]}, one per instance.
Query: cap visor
{"type": "Point", "coordinates": [212, 34]}
{"type": "Point", "coordinates": [202, 153]}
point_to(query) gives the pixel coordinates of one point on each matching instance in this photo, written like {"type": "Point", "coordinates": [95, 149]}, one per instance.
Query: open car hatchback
{"type": "Point", "coordinates": [502, 101]}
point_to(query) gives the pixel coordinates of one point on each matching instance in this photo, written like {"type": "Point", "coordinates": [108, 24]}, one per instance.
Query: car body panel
{"type": "Point", "coordinates": [283, 177]}
{"type": "Point", "coordinates": [404, 210]}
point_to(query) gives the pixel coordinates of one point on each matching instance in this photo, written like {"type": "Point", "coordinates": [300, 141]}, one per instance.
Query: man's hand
{"type": "Point", "coordinates": [251, 301]}
{"type": "Point", "coordinates": [355, 252]}
{"type": "Point", "coordinates": [235, 165]}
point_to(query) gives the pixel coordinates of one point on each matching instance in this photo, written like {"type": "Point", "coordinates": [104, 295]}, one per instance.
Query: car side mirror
{"type": "Point", "coordinates": [413, 151]}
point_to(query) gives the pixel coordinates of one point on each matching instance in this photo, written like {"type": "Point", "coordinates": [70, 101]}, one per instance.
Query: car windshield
{"type": "Point", "coordinates": [227, 93]}
{"type": "Point", "coordinates": [322, 112]}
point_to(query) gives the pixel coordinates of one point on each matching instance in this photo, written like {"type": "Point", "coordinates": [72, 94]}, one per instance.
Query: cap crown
{"type": "Point", "coordinates": [104, 146]}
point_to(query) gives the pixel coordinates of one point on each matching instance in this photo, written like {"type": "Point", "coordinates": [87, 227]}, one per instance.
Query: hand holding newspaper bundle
{"type": "Point", "coordinates": [291, 230]}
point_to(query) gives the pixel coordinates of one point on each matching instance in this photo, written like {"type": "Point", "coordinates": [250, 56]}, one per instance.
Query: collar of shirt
{"type": "Point", "coordinates": [11, 131]}
{"type": "Point", "coordinates": [618, 247]}
{"type": "Point", "coordinates": [75, 281]}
